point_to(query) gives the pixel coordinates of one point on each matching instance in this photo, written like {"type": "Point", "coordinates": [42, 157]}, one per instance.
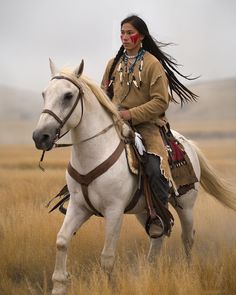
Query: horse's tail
{"type": "Point", "coordinates": [213, 183]}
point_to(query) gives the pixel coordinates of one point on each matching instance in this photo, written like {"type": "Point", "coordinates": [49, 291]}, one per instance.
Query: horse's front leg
{"type": "Point", "coordinates": [74, 218]}
{"type": "Point", "coordinates": [113, 221]}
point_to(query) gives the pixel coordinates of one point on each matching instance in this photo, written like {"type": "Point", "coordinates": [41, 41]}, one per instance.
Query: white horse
{"type": "Point", "coordinates": [73, 102]}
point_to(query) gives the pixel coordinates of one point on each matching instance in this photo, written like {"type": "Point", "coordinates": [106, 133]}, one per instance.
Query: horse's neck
{"type": "Point", "coordinates": [87, 155]}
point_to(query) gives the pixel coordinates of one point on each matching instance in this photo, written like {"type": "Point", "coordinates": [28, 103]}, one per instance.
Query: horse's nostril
{"type": "Point", "coordinates": [45, 137]}
{"type": "Point", "coordinates": [41, 138]}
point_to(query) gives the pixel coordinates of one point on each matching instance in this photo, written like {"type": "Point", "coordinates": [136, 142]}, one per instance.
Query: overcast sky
{"type": "Point", "coordinates": [68, 30]}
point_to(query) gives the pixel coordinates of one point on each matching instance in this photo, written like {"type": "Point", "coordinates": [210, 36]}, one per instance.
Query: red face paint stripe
{"type": "Point", "coordinates": [134, 38]}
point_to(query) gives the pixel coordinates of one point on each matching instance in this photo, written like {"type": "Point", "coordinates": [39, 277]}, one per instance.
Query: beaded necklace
{"type": "Point", "coordinates": [130, 56]}
{"type": "Point", "coordinates": [130, 70]}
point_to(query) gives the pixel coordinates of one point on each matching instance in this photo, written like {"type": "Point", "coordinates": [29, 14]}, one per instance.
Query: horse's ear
{"type": "Point", "coordinates": [79, 70]}
{"type": "Point", "coordinates": [53, 68]}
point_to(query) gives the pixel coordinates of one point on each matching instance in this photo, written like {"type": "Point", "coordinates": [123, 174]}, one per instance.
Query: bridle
{"type": "Point", "coordinates": [63, 122]}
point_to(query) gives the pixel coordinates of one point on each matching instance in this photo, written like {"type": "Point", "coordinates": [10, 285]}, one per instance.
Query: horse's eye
{"type": "Point", "coordinates": [68, 96]}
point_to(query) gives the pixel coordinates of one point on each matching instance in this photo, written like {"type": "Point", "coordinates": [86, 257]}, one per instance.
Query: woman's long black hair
{"type": "Point", "coordinates": [154, 47]}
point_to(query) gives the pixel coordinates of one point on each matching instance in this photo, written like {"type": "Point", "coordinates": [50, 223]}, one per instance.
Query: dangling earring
{"type": "Point", "coordinates": [141, 44]}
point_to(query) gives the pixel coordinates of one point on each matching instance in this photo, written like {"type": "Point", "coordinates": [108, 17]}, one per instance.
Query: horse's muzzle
{"type": "Point", "coordinates": [44, 140]}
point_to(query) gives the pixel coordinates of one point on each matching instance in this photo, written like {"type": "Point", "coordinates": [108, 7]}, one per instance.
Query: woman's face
{"type": "Point", "coordinates": [130, 38]}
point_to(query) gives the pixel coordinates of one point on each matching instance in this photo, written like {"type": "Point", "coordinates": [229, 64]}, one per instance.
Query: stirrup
{"type": "Point", "coordinates": [157, 222]}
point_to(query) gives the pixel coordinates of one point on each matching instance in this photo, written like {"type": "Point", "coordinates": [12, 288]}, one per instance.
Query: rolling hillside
{"type": "Point", "coordinates": [215, 112]}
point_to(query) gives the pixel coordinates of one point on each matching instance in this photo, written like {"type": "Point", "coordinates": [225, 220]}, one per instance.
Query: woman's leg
{"type": "Point", "coordinates": [159, 185]}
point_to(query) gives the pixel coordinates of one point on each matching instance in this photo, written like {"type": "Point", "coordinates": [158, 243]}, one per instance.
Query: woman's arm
{"type": "Point", "coordinates": [156, 106]}
{"type": "Point", "coordinates": [105, 79]}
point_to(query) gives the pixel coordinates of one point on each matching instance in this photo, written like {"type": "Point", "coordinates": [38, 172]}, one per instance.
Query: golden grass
{"type": "Point", "coordinates": [28, 234]}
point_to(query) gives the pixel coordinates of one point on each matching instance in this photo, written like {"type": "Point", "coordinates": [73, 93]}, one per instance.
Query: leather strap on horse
{"type": "Point", "coordinates": [85, 180]}
{"type": "Point", "coordinates": [65, 196]}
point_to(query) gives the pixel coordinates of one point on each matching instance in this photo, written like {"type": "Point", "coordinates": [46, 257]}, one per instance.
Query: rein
{"type": "Point", "coordinates": [85, 140]}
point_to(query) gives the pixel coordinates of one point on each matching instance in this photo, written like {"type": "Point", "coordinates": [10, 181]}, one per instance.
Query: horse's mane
{"type": "Point", "coordinates": [101, 96]}
{"type": "Point", "coordinates": [99, 93]}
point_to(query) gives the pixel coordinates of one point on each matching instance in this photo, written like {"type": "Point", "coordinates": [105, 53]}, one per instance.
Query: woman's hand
{"type": "Point", "coordinates": [125, 115]}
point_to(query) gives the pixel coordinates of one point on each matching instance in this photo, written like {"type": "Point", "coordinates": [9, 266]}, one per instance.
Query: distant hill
{"type": "Point", "coordinates": [19, 110]}
{"type": "Point", "coordinates": [19, 104]}
{"type": "Point", "coordinates": [213, 115]}
{"type": "Point", "coordinates": [215, 111]}
{"type": "Point", "coordinates": [217, 100]}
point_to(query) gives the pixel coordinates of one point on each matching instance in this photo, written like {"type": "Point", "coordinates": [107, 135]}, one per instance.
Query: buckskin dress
{"type": "Point", "coordinates": [147, 103]}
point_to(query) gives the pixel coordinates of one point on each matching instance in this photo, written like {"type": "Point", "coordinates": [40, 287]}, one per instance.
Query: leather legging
{"type": "Point", "coordinates": [158, 183]}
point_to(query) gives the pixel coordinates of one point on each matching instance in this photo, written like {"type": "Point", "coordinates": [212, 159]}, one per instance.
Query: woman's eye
{"type": "Point", "coordinates": [68, 96]}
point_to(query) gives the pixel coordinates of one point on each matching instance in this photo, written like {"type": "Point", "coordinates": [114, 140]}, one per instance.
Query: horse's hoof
{"type": "Point", "coordinates": [59, 289]}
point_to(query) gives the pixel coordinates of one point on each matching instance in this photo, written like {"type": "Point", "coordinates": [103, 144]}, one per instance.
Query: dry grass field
{"type": "Point", "coordinates": [28, 234]}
